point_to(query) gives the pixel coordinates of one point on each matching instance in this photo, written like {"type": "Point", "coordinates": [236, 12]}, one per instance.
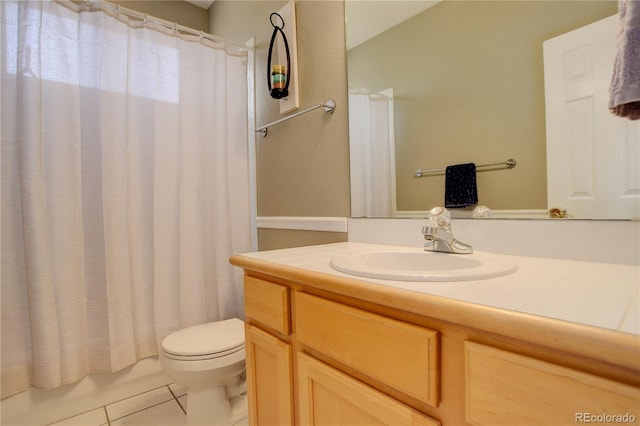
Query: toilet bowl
{"type": "Point", "coordinates": [209, 360]}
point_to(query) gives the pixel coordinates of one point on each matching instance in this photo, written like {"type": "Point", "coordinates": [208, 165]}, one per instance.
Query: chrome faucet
{"type": "Point", "coordinates": [439, 235]}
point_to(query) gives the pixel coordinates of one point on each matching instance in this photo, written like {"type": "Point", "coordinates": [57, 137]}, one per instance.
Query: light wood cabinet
{"type": "Point", "coordinates": [268, 303]}
{"type": "Point", "coordinates": [268, 378]}
{"type": "Point", "coordinates": [321, 357]}
{"type": "Point", "coordinates": [504, 388]}
{"type": "Point", "coordinates": [329, 397]}
{"type": "Point", "coordinates": [403, 356]}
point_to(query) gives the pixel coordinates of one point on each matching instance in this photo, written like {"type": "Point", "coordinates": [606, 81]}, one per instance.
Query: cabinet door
{"type": "Point", "coordinates": [327, 396]}
{"type": "Point", "coordinates": [268, 379]}
{"type": "Point", "coordinates": [505, 388]}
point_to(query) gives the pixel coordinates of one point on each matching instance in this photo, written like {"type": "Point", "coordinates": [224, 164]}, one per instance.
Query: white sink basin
{"type": "Point", "coordinates": [415, 264]}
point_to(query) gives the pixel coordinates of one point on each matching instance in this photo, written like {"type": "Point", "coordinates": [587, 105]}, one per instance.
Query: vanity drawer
{"type": "Point", "coordinates": [267, 303]}
{"type": "Point", "coordinates": [403, 356]}
{"type": "Point", "coordinates": [504, 388]}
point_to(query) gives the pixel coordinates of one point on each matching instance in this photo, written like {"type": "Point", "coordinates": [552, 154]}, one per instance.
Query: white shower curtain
{"type": "Point", "coordinates": [372, 154]}
{"type": "Point", "coordinates": [124, 189]}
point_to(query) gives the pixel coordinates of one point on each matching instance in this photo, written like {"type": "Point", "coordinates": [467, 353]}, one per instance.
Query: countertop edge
{"type": "Point", "coordinates": [610, 345]}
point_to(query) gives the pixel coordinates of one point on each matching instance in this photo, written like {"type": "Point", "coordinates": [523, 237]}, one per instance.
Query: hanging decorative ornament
{"type": "Point", "coordinates": [278, 75]}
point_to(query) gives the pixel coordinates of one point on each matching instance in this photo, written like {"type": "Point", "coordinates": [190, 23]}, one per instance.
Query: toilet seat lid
{"type": "Point", "coordinates": [212, 339]}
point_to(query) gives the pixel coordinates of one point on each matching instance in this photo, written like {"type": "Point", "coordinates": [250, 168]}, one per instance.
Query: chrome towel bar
{"type": "Point", "coordinates": [510, 164]}
{"type": "Point", "coordinates": [329, 106]}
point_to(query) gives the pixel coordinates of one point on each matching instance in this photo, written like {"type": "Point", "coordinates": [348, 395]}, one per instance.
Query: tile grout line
{"type": "Point", "coordinates": [139, 411]}
{"type": "Point", "coordinates": [106, 412]}
{"type": "Point", "coordinates": [177, 400]}
{"type": "Point", "coordinates": [104, 408]}
{"type": "Point", "coordinates": [106, 415]}
{"type": "Point", "coordinates": [138, 394]}
{"type": "Point", "coordinates": [142, 409]}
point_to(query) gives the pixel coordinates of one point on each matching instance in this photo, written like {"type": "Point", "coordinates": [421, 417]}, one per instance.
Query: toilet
{"type": "Point", "coordinates": [209, 360]}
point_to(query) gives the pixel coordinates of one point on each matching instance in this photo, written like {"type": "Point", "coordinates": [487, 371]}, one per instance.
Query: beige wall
{"type": "Point", "coordinates": [469, 87]}
{"type": "Point", "coordinates": [303, 165]}
{"type": "Point", "coordinates": [178, 11]}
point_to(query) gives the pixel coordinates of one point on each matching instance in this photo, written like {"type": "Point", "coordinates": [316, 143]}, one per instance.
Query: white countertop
{"type": "Point", "coordinates": [597, 294]}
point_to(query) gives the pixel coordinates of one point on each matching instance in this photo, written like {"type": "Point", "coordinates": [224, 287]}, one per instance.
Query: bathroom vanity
{"type": "Point", "coordinates": [555, 342]}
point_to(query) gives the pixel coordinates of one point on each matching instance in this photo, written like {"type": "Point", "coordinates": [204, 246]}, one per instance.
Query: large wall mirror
{"type": "Point", "coordinates": [451, 82]}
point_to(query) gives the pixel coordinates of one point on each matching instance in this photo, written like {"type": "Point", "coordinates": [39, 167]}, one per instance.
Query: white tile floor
{"type": "Point", "coordinates": [165, 406]}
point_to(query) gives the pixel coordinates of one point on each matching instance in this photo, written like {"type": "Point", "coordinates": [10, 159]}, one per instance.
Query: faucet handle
{"type": "Point", "coordinates": [439, 217]}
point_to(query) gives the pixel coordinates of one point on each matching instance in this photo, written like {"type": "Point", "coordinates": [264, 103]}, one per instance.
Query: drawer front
{"type": "Point", "coordinates": [504, 388]}
{"type": "Point", "coordinates": [329, 397]}
{"type": "Point", "coordinates": [267, 303]}
{"type": "Point", "coordinates": [401, 355]}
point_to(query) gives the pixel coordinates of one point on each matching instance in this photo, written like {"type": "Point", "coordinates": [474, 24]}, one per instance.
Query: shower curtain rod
{"type": "Point", "coordinates": [89, 5]}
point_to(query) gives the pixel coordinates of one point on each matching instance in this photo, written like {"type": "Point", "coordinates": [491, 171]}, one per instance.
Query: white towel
{"type": "Point", "coordinates": [624, 99]}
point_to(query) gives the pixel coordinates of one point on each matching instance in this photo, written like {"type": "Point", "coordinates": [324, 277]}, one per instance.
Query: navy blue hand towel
{"type": "Point", "coordinates": [460, 188]}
